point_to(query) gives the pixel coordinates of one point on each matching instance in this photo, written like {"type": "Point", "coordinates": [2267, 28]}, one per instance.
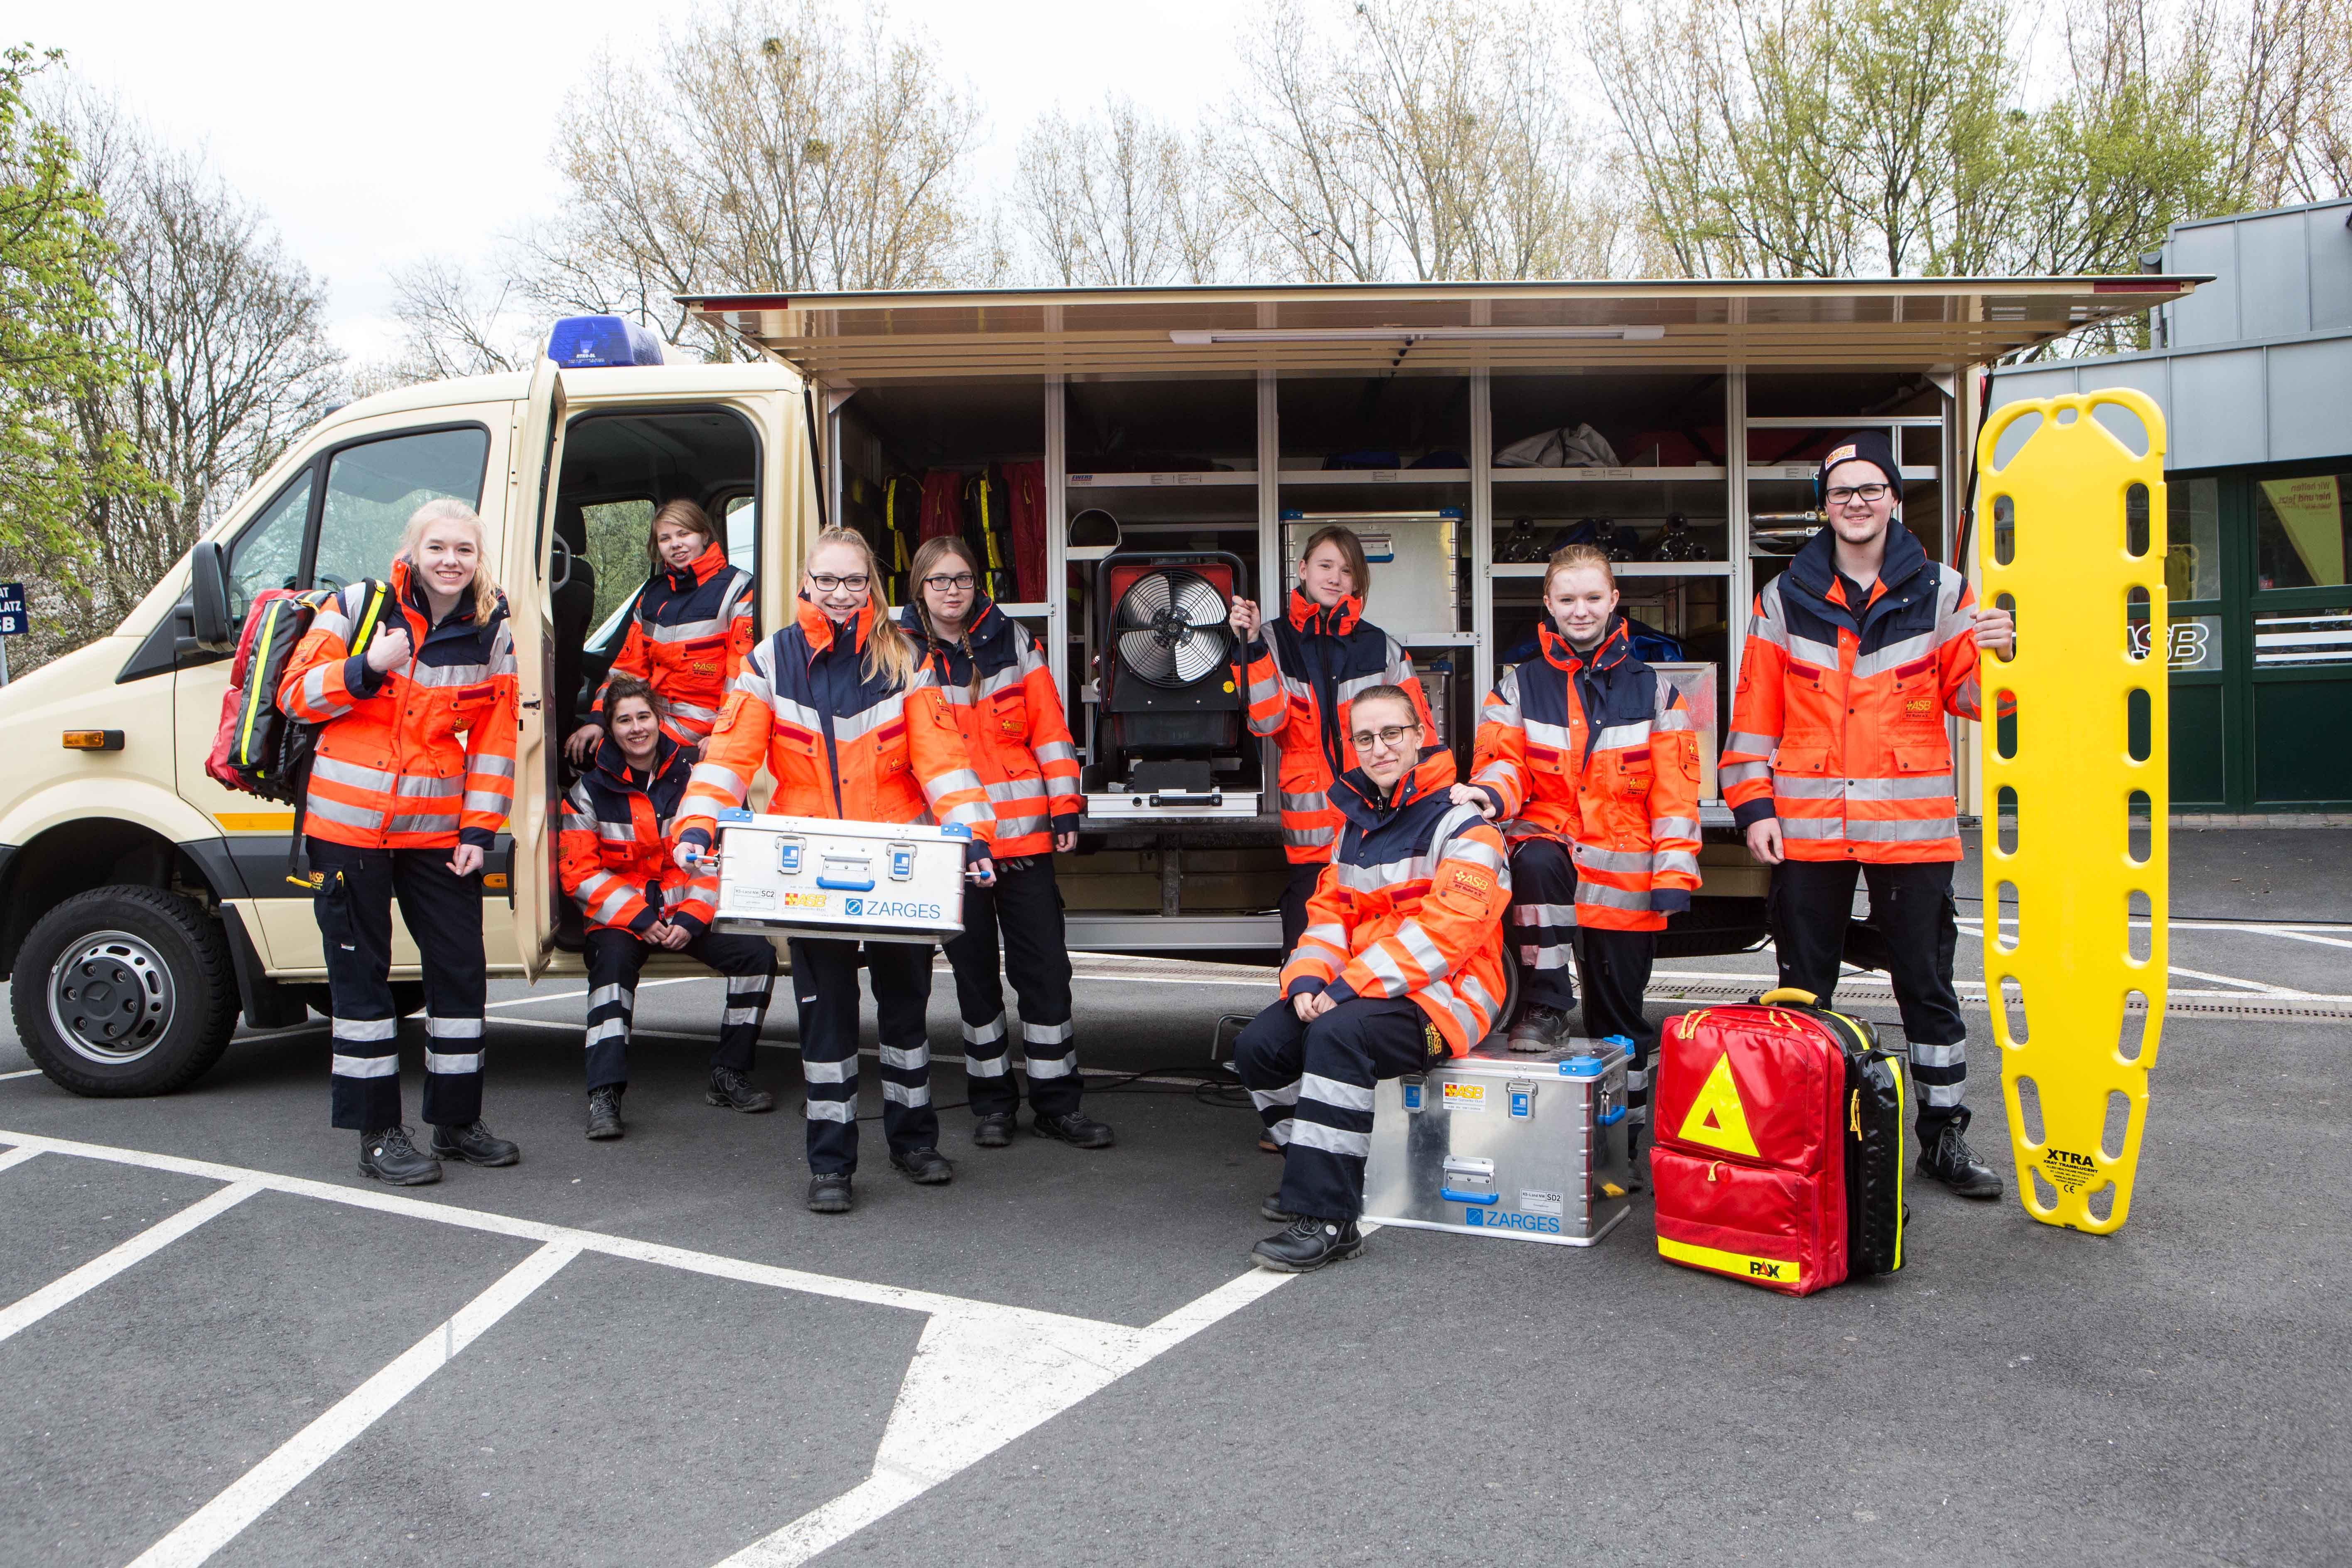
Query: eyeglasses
{"type": "Point", "coordinates": [827, 583]}
{"type": "Point", "coordinates": [1839, 494]}
{"type": "Point", "coordinates": [949, 584]}
{"type": "Point", "coordinates": [1392, 736]}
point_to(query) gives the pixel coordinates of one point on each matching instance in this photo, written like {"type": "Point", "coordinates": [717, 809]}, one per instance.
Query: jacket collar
{"type": "Point", "coordinates": [408, 589]}
{"type": "Point", "coordinates": [819, 630]}
{"type": "Point", "coordinates": [615, 766]}
{"type": "Point", "coordinates": [1616, 647]}
{"type": "Point", "coordinates": [701, 569]}
{"type": "Point", "coordinates": [1815, 566]}
{"type": "Point", "coordinates": [985, 624]}
{"type": "Point", "coordinates": [1357, 796]}
{"type": "Point", "coordinates": [1307, 615]}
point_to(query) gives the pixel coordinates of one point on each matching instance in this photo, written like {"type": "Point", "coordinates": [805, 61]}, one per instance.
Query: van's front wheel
{"type": "Point", "coordinates": [124, 991]}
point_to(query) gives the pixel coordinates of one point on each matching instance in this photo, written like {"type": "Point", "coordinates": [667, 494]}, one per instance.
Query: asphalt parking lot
{"type": "Point", "coordinates": [225, 1346]}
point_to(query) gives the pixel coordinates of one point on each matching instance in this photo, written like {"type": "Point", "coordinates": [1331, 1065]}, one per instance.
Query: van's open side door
{"type": "Point", "coordinates": [534, 457]}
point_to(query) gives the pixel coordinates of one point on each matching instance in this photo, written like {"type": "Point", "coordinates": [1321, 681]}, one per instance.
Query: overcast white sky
{"type": "Point", "coordinates": [376, 134]}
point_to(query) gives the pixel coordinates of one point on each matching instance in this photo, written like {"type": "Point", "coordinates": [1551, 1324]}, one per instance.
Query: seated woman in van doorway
{"type": "Point", "coordinates": [1004, 700]}
{"type": "Point", "coordinates": [617, 866]}
{"type": "Point", "coordinates": [413, 689]}
{"type": "Point", "coordinates": [689, 635]}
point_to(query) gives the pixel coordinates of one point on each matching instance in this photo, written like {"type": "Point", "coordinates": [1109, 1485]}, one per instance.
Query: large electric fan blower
{"type": "Point", "coordinates": [1172, 698]}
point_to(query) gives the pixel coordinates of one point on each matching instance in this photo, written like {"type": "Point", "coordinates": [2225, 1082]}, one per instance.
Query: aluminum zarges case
{"type": "Point", "coordinates": [854, 882]}
{"type": "Point", "coordinates": [1497, 1143]}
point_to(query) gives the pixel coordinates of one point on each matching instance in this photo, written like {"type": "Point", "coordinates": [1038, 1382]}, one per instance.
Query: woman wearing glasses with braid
{"type": "Point", "coordinates": [1004, 699]}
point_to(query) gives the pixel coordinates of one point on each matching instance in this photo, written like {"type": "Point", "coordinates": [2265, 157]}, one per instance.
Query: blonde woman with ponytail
{"type": "Point", "coordinates": [853, 727]}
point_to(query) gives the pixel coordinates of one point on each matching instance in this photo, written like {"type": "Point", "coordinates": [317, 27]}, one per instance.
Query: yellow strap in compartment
{"type": "Point", "coordinates": [2060, 984]}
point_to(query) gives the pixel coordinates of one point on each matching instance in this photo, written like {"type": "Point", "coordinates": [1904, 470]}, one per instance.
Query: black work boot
{"type": "Point", "coordinates": [736, 1092]}
{"type": "Point", "coordinates": [1272, 1208]}
{"type": "Point", "coordinates": [993, 1130]}
{"type": "Point", "coordinates": [388, 1156]}
{"type": "Point", "coordinates": [1950, 1160]}
{"type": "Point", "coordinates": [605, 1112]}
{"type": "Point", "coordinates": [925, 1167]}
{"type": "Point", "coordinates": [829, 1193]}
{"type": "Point", "coordinates": [475, 1143]}
{"type": "Point", "coordinates": [1540, 1028]}
{"type": "Point", "coordinates": [1307, 1244]}
{"type": "Point", "coordinates": [1073, 1127]}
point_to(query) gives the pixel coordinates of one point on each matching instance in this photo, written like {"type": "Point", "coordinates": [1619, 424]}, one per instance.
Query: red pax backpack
{"type": "Point", "coordinates": [1778, 1154]}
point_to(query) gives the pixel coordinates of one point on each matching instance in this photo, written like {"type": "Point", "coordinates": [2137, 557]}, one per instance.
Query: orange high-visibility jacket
{"type": "Point", "coordinates": [391, 771]}
{"type": "Point", "coordinates": [1598, 752]}
{"type": "Point", "coordinates": [1303, 672]}
{"type": "Point", "coordinates": [687, 639]}
{"type": "Point", "coordinates": [838, 743]}
{"type": "Point", "coordinates": [1019, 742]}
{"type": "Point", "coordinates": [1838, 728]}
{"type": "Point", "coordinates": [1412, 905]}
{"type": "Point", "coordinates": [616, 845]}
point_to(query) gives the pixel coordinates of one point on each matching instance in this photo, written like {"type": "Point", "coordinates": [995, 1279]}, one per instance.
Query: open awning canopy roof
{"type": "Point", "coordinates": [1905, 324]}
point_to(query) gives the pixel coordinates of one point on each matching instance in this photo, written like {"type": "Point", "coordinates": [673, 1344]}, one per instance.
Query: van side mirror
{"type": "Point", "coordinates": [208, 594]}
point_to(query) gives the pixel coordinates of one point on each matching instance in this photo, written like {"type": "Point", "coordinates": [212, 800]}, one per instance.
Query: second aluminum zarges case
{"type": "Point", "coordinates": [1495, 1143]}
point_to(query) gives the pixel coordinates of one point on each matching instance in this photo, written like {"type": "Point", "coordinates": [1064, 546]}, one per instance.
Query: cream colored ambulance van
{"type": "Point", "coordinates": [144, 907]}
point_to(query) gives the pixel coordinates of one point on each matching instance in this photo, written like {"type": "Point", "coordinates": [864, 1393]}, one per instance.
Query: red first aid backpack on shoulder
{"type": "Point", "coordinates": [1778, 1154]}
{"type": "Point", "coordinates": [258, 748]}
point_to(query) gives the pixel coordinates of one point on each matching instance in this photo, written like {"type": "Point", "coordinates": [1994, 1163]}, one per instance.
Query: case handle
{"type": "Point", "coordinates": [1801, 997]}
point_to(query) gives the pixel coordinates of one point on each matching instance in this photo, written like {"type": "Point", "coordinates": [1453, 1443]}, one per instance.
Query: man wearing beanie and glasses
{"type": "Point", "coordinates": [1839, 767]}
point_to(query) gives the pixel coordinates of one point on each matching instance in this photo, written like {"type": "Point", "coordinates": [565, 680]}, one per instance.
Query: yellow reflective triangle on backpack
{"type": "Point", "coordinates": [1717, 1118]}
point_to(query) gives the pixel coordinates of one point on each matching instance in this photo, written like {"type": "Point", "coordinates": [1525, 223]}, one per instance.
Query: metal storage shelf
{"type": "Point", "coordinates": [1626, 568]}
{"type": "Point", "coordinates": [1601, 476]}
{"type": "Point", "coordinates": [1141, 481]}
{"type": "Point", "coordinates": [1374, 475]}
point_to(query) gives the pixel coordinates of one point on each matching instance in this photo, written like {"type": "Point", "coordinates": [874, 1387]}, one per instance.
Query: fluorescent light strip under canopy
{"type": "Point", "coordinates": [1199, 339]}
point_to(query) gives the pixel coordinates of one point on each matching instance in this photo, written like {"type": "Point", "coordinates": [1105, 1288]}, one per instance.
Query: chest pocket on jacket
{"type": "Point", "coordinates": [1633, 773]}
{"type": "Point", "coordinates": [1008, 716]}
{"type": "Point", "coordinates": [702, 658]}
{"type": "Point", "coordinates": [467, 706]}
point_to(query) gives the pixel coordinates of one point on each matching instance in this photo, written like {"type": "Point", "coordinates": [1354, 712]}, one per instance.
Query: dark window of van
{"type": "Point", "coordinates": [268, 554]}
{"type": "Point", "coordinates": [373, 487]}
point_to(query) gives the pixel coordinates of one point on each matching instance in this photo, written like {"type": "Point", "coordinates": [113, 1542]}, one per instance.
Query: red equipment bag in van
{"type": "Point", "coordinates": [1778, 1154]}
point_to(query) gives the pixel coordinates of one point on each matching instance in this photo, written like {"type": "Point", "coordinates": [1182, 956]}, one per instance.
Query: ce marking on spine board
{"type": "Point", "coordinates": [2057, 544]}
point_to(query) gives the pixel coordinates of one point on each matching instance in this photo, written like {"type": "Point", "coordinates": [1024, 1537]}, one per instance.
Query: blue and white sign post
{"type": "Point", "coordinates": [14, 622]}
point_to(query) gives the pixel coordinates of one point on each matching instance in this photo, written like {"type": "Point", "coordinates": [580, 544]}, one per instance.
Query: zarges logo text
{"type": "Point", "coordinates": [888, 910]}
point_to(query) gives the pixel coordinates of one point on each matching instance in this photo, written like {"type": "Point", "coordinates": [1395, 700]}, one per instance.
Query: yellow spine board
{"type": "Point", "coordinates": [2068, 972]}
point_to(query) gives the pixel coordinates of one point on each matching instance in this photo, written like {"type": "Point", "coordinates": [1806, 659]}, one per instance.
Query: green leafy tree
{"type": "Point", "coordinates": [55, 348]}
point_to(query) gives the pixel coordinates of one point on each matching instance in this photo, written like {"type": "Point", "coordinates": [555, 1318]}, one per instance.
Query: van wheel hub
{"type": "Point", "coordinates": [110, 997]}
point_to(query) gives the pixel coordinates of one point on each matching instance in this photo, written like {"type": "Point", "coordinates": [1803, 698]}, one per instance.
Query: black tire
{"type": "Point", "coordinates": [124, 991]}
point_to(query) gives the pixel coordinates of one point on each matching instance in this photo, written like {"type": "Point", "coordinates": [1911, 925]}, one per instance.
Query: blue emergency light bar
{"type": "Point", "coordinates": [581, 342]}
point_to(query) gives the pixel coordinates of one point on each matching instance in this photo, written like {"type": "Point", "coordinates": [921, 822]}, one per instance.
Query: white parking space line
{"type": "Point", "coordinates": [15, 1157]}
{"type": "Point", "coordinates": [983, 1373]}
{"type": "Point", "coordinates": [564, 995]}
{"type": "Point", "coordinates": [979, 1380]}
{"type": "Point", "coordinates": [252, 1494]}
{"type": "Point", "coordinates": [32, 1309]}
{"type": "Point", "coordinates": [21, 1072]}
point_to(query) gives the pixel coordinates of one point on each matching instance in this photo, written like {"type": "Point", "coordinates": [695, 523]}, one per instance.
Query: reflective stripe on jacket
{"type": "Point", "coordinates": [1411, 906]}
{"type": "Point", "coordinates": [391, 772]}
{"type": "Point", "coordinates": [1598, 752]}
{"type": "Point", "coordinates": [687, 639]}
{"type": "Point", "coordinates": [1303, 671]}
{"type": "Point", "coordinates": [1018, 740]}
{"type": "Point", "coordinates": [1838, 727]}
{"type": "Point", "coordinates": [839, 742]}
{"type": "Point", "coordinates": [615, 845]}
